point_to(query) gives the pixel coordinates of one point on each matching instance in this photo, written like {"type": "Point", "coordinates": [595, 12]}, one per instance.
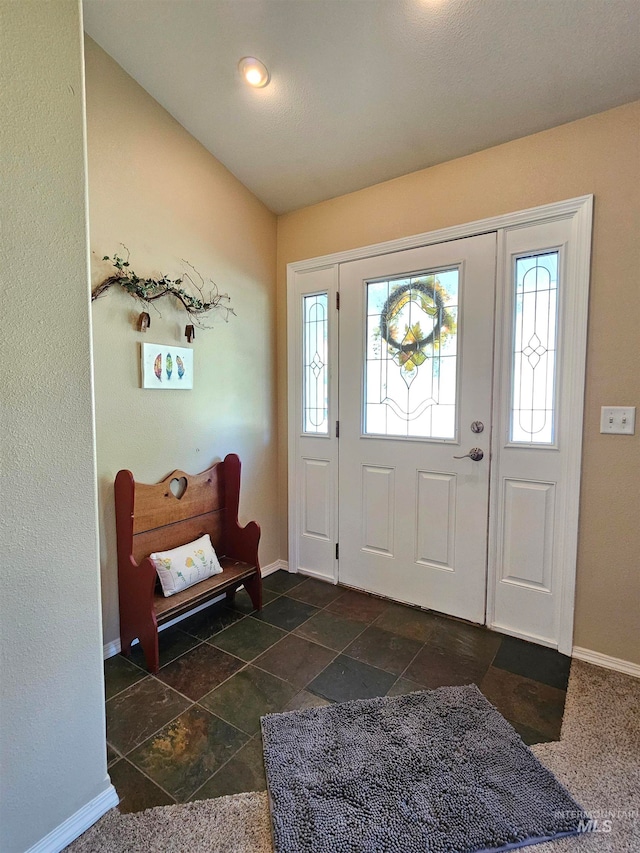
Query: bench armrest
{"type": "Point", "coordinates": [136, 585]}
{"type": "Point", "coordinates": [243, 542]}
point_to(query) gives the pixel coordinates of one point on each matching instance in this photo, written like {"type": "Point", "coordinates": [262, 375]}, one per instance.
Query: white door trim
{"type": "Point", "coordinates": [580, 211]}
{"type": "Point", "coordinates": [582, 205]}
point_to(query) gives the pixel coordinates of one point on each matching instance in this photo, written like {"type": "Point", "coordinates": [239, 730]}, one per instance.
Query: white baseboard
{"type": "Point", "coordinates": [606, 661]}
{"type": "Point", "coordinates": [113, 648]}
{"type": "Point", "coordinates": [74, 826]}
{"type": "Point", "coordinates": [274, 567]}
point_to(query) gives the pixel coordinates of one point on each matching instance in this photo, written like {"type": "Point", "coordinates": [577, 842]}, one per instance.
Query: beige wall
{"type": "Point", "coordinates": [52, 733]}
{"type": "Point", "coordinates": [599, 155]}
{"type": "Point", "coordinates": [158, 191]}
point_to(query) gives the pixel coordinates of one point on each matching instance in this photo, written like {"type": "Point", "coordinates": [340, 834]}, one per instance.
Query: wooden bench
{"type": "Point", "coordinates": [153, 518]}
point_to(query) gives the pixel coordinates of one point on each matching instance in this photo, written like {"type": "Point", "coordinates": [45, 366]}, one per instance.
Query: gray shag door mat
{"type": "Point", "coordinates": [439, 771]}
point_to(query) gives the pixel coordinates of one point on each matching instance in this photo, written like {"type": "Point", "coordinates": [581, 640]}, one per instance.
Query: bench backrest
{"type": "Point", "coordinates": [152, 518]}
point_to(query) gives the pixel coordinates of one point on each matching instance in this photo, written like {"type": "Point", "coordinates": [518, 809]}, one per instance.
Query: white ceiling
{"type": "Point", "coordinates": [365, 90]}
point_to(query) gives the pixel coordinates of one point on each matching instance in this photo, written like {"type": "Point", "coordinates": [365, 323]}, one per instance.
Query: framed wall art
{"type": "Point", "coordinates": [165, 367]}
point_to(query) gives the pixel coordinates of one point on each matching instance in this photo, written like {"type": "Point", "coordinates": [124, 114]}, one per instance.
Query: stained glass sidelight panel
{"type": "Point", "coordinates": [535, 319]}
{"type": "Point", "coordinates": [411, 357]}
{"type": "Point", "coordinates": [315, 364]}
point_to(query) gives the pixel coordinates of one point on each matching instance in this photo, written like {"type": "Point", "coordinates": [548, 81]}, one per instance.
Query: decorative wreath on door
{"type": "Point", "coordinates": [409, 352]}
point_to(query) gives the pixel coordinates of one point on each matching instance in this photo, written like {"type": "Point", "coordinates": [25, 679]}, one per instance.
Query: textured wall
{"type": "Point", "coordinates": [599, 155]}
{"type": "Point", "coordinates": [158, 191]}
{"type": "Point", "coordinates": [53, 759]}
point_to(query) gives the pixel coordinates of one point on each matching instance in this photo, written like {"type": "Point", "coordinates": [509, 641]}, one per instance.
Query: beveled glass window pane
{"type": "Point", "coordinates": [535, 321]}
{"type": "Point", "coordinates": [411, 359]}
{"type": "Point", "coordinates": [315, 362]}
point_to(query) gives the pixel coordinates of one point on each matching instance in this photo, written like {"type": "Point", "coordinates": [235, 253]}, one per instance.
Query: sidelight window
{"type": "Point", "coordinates": [315, 364]}
{"type": "Point", "coordinates": [535, 322]}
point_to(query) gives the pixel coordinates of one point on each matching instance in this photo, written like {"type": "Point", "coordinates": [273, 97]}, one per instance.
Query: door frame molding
{"type": "Point", "coordinates": [580, 211]}
{"type": "Point", "coordinates": [580, 207]}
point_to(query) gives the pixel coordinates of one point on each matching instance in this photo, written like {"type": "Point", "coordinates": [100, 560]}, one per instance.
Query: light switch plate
{"type": "Point", "coordinates": [618, 420]}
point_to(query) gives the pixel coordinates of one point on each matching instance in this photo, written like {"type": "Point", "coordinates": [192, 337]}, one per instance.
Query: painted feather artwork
{"type": "Point", "coordinates": [166, 368]}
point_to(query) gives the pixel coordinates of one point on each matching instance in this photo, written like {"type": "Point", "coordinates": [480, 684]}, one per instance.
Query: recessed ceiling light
{"type": "Point", "coordinates": [254, 72]}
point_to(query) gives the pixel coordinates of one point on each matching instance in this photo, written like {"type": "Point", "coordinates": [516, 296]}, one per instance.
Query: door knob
{"type": "Point", "coordinates": [475, 453]}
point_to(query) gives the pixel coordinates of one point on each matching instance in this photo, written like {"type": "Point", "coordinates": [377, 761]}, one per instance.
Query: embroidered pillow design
{"type": "Point", "coordinates": [183, 567]}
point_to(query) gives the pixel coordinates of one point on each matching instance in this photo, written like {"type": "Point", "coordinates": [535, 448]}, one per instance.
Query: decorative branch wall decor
{"type": "Point", "coordinates": [148, 290]}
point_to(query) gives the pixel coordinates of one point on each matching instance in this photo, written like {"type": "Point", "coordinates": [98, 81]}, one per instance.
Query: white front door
{"type": "Point", "coordinates": [405, 367]}
{"type": "Point", "coordinates": [415, 354]}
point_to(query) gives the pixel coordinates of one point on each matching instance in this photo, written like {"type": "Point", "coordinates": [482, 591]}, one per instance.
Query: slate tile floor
{"type": "Point", "coordinates": [193, 731]}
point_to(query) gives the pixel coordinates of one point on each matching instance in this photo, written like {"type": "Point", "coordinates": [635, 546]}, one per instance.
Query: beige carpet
{"type": "Point", "coordinates": [597, 759]}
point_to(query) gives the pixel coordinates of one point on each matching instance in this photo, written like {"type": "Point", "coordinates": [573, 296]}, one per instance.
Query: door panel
{"type": "Point", "coordinates": [528, 534]}
{"type": "Point", "coordinates": [314, 356]}
{"type": "Point", "coordinates": [416, 347]}
{"type": "Point", "coordinates": [317, 497]}
{"type": "Point", "coordinates": [436, 519]}
{"type": "Point", "coordinates": [378, 500]}
{"type": "Point", "coordinates": [537, 431]}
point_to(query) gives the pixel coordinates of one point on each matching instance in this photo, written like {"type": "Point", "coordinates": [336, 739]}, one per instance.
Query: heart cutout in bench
{"type": "Point", "coordinates": [178, 486]}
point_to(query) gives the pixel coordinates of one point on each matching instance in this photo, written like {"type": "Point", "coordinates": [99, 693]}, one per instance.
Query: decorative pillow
{"type": "Point", "coordinates": [184, 566]}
